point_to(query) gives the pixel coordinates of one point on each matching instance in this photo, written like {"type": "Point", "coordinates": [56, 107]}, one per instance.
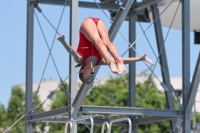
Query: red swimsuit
{"type": "Point", "coordinates": [86, 48]}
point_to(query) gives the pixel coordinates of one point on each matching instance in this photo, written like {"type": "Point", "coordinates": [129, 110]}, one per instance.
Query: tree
{"type": "Point", "coordinates": [15, 110]}
{"type": "Point", "coordinates": [154, 98]}
{"type": "Point", "coordinates": [3, 117]}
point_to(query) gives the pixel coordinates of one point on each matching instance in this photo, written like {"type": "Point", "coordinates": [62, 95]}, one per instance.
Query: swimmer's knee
{"type": "Point", "coordinates": [106, 42]}
{"type": "Point", "coordinates": [98, 42]}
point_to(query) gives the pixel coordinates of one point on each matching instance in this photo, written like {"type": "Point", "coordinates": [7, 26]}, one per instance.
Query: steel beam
{"type": "Point", "coordinates": [72, 70]}
{"type": "Point", "coordinates": [119, 18]}
{"type": "Point", "coordinates": [47, 114]}
{"type": "Point", "coordinates": [82, 4]}
{"type": "Point", "coordinates": [186, 62]}
{"type": "Point", "coordinates": [29, 64]}
{"type": "Point", "coordinates": [140, 121]}
{"type": "Point", "coordinates": [194, 86]}
{"type": "Point", "coordinates": [73, 42]}
{"type": "Point", "coordinates": [132, 66]}
{"type": "Point", "coordinates": [108, 110]}
{"type": "Point", "coordinates": [54, 120]}
{"type": "Point", "coordinates": [162, 57]}
{"type": "Point", "coordinates": [63, 120]}
{"type": "Point", "coordinates": [129, 111]}
{"type": "Point", "coordinates": [93, 5]}
{"type": "Point", "coordinates": [152, 119]}
{"type": "Point", "coordinates": [163, 60]}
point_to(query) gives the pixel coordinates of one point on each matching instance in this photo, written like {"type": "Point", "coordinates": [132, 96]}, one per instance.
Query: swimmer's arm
{"type": "Point", "coordinates": [125, 60]}
{"type": "Point", "coordinates": [70, 50]}
{"type": "Point", "coordinates": [130, 60]}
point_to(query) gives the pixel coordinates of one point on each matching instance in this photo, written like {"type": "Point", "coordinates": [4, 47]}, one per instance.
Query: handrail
{"type": "Point", "coordinates": [84, 118]}
{"type": "Point", "coordinates": [103, 125]}
{"type": "Point", "coordinates": [121, 119]}
{"type": "Point", "coordinates": [66, 126]}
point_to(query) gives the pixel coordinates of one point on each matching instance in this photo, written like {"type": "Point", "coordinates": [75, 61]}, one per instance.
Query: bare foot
{"type": "Point", "coordinates": [120, 66]}
{"type": "Point", "coordinates": [112, 66]}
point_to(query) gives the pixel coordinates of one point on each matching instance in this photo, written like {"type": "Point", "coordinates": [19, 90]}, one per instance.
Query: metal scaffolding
{"type": "Point", "coordinates": [125, 11]}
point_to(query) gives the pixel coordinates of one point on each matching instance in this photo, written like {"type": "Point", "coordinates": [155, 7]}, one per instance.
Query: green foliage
{"type": "Point", "coordinates": [115, 93]}
{"type": "Point", "coordinates": [196, 118]}
{"type": "Point", "coordinates": [15, 110]}
{"type": "Point", "coordinates": [3, 116]}
{"type": "Point", "coordinates": [153, 99]}
{"type": "Point", "coordinates": [114, 88]}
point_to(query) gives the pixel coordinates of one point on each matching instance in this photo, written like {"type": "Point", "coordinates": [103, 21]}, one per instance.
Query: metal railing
{"type": "Point", "coordinates": [103, 125]}
{"type": "Point", "coordinates": [118, 120]}
{"type": "Point", "coordinates": [66, 127]}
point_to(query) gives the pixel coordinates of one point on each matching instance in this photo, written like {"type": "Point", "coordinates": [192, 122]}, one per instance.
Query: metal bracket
{"type": "Point", "coordinates": [38, 8]}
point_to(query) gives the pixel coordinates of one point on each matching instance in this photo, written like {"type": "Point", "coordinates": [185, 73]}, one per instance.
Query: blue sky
{"type": "Point", "coordinates": [13, 45]}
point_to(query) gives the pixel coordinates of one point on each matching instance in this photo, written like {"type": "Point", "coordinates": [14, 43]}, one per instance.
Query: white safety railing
{"type": "Point", "coordinates": [66, 127]}
{"type": "Point", "coordinates": [84, 118]}
{"type": "Point", "coordinates": [103, 125]}
{"type": "Point", "coordinates": [121, 119]}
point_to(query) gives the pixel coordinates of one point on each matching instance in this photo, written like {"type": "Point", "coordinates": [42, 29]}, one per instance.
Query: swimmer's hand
{"type": "Point", "coordinates": [146, 59]}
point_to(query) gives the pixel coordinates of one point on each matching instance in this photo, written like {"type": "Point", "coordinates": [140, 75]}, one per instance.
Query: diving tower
{"type": "Point", "coordinates": [126, 10]}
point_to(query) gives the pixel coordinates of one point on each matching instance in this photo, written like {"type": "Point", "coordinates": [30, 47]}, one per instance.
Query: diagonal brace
{"type": "Point", "coordinates": [194, 86]}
